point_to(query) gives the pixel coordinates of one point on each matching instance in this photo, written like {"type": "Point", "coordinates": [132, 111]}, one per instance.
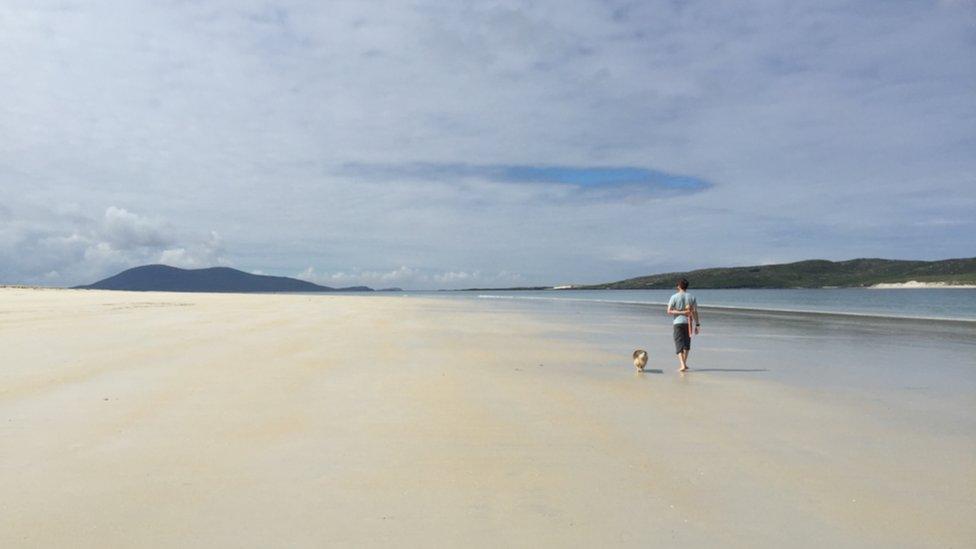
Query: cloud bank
{"type": "Point", "coordinates": [70, 247]}
{"type": "Point", "coordinates": [556, 141]}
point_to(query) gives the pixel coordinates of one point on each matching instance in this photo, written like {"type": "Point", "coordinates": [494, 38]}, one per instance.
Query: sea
{"type": "Point", "coordinates": [953, 304]}
{"type": "Point", "coordinates": [912, 349]}
{"type": "Point", "coordinates": [894, 343]}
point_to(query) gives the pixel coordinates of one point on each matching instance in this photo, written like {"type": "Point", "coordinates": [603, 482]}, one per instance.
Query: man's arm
{"type": "Point", "coordinates": [678, 312]}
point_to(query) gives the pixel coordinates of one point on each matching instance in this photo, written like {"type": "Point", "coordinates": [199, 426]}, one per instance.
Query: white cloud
{"type": "Point", "coordinates": [126, 230]}
{"type": "Point", "coordinates": [69, 248]}
{"type": "Point", "coordinates": [454, 277]}
{"type": "Point", "coordinates": [376, 279]}
{"type": "Point", "coordinates": [410, 278]}
{"type": "Point", "coordinates": [205, 253]}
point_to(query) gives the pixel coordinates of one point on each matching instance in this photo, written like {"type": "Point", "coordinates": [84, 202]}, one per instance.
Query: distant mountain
{"type": "Point", "coordinates": [814, 273]}
{"type": "Point", "coordinates": [164, 278]}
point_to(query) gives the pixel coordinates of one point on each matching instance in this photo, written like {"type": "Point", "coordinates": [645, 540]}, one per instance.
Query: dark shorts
{"type": "Point", "coordinates": [682, 339]}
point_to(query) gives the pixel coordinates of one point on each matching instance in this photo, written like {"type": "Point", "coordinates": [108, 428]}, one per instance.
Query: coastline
{"type": "Point", "coordinates": [914, 284]}
{"type": "Point", "coordinates": [731, 309]}
{"type": "Point", "coordinates": [157, 419]}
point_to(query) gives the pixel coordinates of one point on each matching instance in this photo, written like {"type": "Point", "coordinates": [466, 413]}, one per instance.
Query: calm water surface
{"type": "Point", "coordinates": [950, 304]}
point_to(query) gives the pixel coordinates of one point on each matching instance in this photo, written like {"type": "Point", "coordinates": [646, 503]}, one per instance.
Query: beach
{"type": "Point", "coordinates": [228, 420]}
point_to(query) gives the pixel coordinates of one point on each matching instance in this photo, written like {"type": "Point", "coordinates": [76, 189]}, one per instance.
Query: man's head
{"type": "Point", "coordinates": [683, 284]}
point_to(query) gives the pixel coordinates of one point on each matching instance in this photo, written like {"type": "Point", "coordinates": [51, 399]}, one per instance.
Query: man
{"type": "Point", "coordinates": [684, 308]}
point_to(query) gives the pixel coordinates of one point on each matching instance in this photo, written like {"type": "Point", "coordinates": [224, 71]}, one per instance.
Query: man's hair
{"type": "Point", "coordinates": [683, 283]}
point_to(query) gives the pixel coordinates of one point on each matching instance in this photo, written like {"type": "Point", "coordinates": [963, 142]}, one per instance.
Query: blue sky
{"type": "Point", "coordinates": [450, 144]}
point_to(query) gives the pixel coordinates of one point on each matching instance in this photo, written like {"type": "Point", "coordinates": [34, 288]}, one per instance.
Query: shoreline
{"type": "Point", "coordinates": [748, 310]}
{"type": "Point", "coordinates": [721, 309]}
{"type": "Point", "coordinates": [915, 285]}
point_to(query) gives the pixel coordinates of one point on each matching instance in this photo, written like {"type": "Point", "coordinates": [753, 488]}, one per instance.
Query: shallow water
{"type": "Point", "coordinates": [924, 368]}
{"type": "Point", "coordinates": [953, 304]}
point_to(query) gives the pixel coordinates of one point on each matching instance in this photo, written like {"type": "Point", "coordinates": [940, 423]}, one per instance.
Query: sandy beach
{"type": "Point", "coordinates": [208, 420]}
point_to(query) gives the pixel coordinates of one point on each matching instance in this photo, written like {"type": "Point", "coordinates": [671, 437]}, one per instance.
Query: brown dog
{"type": "Point", "coordinates": [640, 359]}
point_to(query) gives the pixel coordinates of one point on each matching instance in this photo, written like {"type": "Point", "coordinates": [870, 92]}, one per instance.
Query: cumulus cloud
{"type": "Point", "coordinates": [70, 248]}
{"type": "Point", "coordinates": [399, 277]}
{"type": "Point", "coordinates": [196, 255]}
{"type": "Point", "coordinates": [410, 278]}
{"type": "Point", "coordinates": [455, 279]}
{"type": "Point", "coordinates": [127, 231]}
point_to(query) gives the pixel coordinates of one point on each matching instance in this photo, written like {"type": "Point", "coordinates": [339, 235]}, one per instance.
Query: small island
{"type": "Point", "coordinates": [163, 278]}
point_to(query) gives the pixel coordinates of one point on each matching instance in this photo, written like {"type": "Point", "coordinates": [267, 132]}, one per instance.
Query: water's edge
{"type": "Point", "coordinates": [753, 310]}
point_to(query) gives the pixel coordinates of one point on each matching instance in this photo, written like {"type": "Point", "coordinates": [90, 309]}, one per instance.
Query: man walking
{"type": "Point", "coordinates": [684, 308]}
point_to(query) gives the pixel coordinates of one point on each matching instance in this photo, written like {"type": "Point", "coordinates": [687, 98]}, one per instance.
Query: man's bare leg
{"type": "Point", "coordinates": [682, 357]}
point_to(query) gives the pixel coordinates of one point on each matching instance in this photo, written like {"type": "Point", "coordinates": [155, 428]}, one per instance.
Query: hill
{"type": "Point", "coordinates": [815, 273]}
{"type": "Point", "coordinates": [164, 278]}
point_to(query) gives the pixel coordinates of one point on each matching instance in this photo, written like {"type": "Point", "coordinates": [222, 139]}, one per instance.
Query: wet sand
{"type": "Point", "coordinates": [152, 419]}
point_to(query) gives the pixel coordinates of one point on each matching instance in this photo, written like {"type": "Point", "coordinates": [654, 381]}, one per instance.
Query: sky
{"type": "Point", "coordinates": [431, 144]}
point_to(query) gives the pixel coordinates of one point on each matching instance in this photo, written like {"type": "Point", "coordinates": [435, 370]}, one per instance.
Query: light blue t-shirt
{"type": "Point", "coordinates": [682, 300]}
